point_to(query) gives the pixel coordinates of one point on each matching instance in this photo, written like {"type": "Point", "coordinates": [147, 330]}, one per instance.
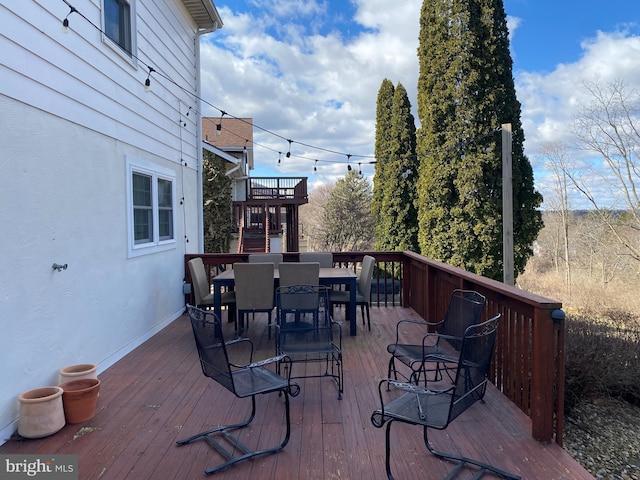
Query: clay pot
{"type": "Point", "coordinates": [41, 412]}
{"type": "Point", "coordinates": [80, 399]}
{"type": "Point", "coordinates": [78, 372]}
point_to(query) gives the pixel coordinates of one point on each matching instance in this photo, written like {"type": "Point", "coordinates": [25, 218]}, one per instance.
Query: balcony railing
{"type": "Point", "coordinates": [283, 190]}
{"type": "Point", "coordinates": [528, 364]}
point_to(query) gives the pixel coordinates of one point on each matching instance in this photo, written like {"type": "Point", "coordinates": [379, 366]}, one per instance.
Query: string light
{"type": "Point", "coordinates": [279, 157]}
{"type": "Point", "coordinates": [147, 85]}
{"type": "Point", "coordinates": [147, 82]}
{"type": "Point", "coordinates": [315, 167]}
{"type": "Point", "coordinates": [65, 22]}
{"type": "Point", "coordinates": [219, 125]}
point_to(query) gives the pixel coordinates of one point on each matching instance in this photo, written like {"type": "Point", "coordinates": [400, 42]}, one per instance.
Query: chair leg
{"type": "Point", "coordinates": [236, 443]}
{"type": "Point", "coordinates": [368, 317]}
{"type": "Point", "coordinates": [465, 462]}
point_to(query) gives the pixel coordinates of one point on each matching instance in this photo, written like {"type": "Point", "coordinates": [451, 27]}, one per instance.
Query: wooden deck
{"type": "Point", "coordinates": [157, 395]}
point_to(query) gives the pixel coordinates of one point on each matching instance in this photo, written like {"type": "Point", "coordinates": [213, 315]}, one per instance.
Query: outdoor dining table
{"type": "Point", "coordinates": [328, 277]}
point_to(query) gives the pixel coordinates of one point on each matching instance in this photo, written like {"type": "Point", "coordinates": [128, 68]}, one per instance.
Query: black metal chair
{"type": "Point", "coordinates": [441, 341]}
{"type": "Point", "coordinates": [305, 332]}
{"type": "Point", "coordinates": [437, 405]}
{"type": "Point", "coordinates": [247, 380]}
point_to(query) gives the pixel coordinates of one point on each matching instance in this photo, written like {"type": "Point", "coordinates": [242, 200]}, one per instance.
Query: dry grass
{"type": "Point", "coordinates": [602, 335]}
{"type": "Point", "coordinates": [586, 294]}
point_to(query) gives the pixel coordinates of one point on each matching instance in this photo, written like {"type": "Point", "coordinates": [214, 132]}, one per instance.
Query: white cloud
{"type": "Point", "coordinates": [550, 101]}
{"type": "Point", "coordinates": [315, 89]}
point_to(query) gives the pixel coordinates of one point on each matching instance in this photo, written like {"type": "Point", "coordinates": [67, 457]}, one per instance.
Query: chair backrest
{"type": "Point", "coordinates": [473, 365]}
{"type": "Point", "coordinates": [366, 274]}
{"type": "Point", "coordinates": [299, 273]}
{"type": "Point", "coordinates": [275, 258]}
{"type": "Point", "coordinates": [201, 286]}
{"type": "Point", "coordinates": [211, 347]}
{"type": "Point", "coordinates": [325, 259]}
{"type": "Point", "coordinates": [465, 308]}
{"type": "Point", "coordinates": [294, 300]}
{"type": "Point", "coordinates": [254, 286]}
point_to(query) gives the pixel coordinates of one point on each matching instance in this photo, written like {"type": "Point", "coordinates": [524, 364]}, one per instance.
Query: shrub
{"type": "Point", "coordinates": [601, 353]}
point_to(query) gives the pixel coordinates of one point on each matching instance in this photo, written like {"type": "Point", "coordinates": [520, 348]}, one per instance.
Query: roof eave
{"type": "Point", "coordinates": [204, 13]}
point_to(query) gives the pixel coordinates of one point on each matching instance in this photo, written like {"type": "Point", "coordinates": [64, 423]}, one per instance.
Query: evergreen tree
{"type": "Point", "coordinates": [396, 170]}
{"type": "Point", "coordinates": [383, 149]}
{"type": "Point", "coordinates": [348, 220]}
{"type": "Point", "coordinates": [465, 92]}
{"type": "Point", "coordinates": [216, 194]}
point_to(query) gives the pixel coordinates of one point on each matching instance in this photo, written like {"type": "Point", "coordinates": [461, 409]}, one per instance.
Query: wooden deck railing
{"type": "Point", "coordinates": [528, 364]}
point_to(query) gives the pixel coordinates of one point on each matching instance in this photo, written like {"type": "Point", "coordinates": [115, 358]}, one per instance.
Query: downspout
{"type": "Point", "coordinates": [200, 195]}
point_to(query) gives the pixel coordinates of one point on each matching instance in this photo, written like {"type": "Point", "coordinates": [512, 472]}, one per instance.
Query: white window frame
{"type": "Point", "coordinates": [129, 56]}
{"type": "Point", "coordinates": [137, 166]}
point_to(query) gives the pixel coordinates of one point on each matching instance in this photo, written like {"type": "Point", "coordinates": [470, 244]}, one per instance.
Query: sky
{"type": "Point", "coordinates": [309, 71]}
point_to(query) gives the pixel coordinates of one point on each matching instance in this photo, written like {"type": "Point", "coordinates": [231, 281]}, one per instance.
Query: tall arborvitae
{"type": "Point", "coordinates": [465, 92]}
{"type": "Point", "coordinates": [382, 152]}
{"type": "Point", "coordinates": [396, 170]}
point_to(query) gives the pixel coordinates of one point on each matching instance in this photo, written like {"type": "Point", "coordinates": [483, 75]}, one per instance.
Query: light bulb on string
{"type": "Point", "coordinates": [65, 22]}
{"type": "Point", "coordinates": [359, 169]}
{"type": "Point", "coordinates": [279, 158]}
{"type": "Point", "coordinates": [315, 167]}
{"type": "Point", "coordinates": [147, 82]}
{"type": "Point", "coordinates": [219, 124]}
{"type": "Point", "coordinates": [289, 151]}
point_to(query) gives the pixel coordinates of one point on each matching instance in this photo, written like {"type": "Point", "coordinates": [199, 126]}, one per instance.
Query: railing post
{"type": "Point", "coordinates": [542, 376]}
{"type": "Point", "coordinates": [558, 316]}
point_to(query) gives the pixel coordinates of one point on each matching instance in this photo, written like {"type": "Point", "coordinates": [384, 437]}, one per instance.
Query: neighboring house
{"type": "Point", "coordinates": [265, 209]}
{"type": "Point", "coordinates": [98, 176]}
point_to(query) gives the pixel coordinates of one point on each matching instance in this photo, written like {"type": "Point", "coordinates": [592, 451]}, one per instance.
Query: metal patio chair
{"type": "Point", "coordinates": [440, 343]}
{"type": "Point", "coordinates": [246, 380]}
{"type": "Point", "coordinates": [438, 404]}
{"type": "Point", "coordinates": [305, 332]}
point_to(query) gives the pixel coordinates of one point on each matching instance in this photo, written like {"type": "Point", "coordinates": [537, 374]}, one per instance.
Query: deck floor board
{"type": "Point", "coordinates": [157, 394]}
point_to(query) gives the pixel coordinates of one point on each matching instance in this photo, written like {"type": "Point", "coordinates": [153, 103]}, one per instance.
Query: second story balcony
{"type": "Point", "coordinates": [277, 190]}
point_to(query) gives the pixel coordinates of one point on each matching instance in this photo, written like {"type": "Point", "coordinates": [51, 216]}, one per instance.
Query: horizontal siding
{"type": "Point", "coordinates": [79, 77]}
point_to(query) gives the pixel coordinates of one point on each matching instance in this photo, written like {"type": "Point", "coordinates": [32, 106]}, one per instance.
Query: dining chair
{"type": "Point", "coordinates": [202, 289]}
{"type": "Point", "coordinates": [363, 292]}
{"type": "Point", "coordinates": [325, 259]}
{"type": "Point", "coordinates": [255, 291]}
{"type": "Point", "coordinates": [299, 273]}
{"type": "Point", "coordinates": [275, 258]}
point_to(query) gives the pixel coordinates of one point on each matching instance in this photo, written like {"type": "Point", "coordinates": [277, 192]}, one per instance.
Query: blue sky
{"type": "Point", "coordinates": [310, 70]}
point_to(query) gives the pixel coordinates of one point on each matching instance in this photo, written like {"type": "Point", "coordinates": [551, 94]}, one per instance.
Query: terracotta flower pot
{"type": "Point", "coordinates": [78, 372]}
{"type": "Point", "coordinates": [80, 399]}
{"type": "Point", "coordinates": [41, 412]}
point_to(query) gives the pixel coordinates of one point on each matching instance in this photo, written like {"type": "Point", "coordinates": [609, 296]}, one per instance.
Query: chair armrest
{"type": "Point", "coordinates": [421, 323]}
{"type": "Point", "coordinates": [266, 361]}
{"type": "Point", "coordinates": [339, 327]}
{"type": "Point", "coordinates": [238, 341]}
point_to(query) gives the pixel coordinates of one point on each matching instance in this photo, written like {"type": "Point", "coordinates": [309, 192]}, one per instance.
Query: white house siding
{"type": "Point", "coordinates": [72, 110]}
